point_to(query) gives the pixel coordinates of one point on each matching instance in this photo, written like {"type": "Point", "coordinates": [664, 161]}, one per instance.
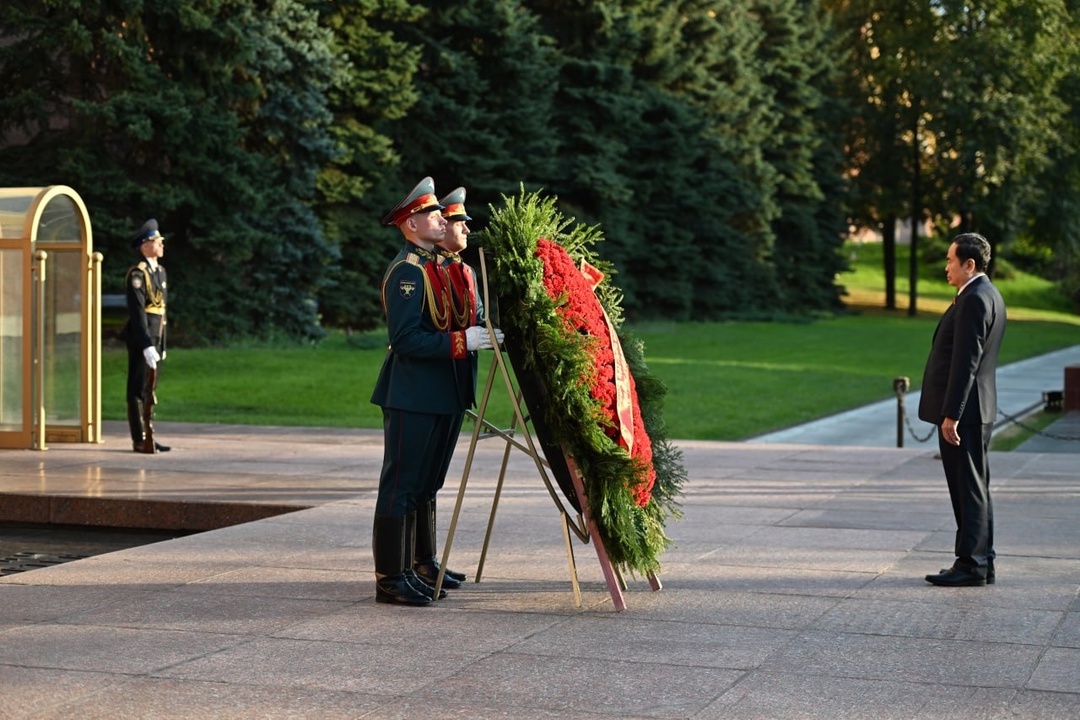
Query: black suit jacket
{"type": "Point", "coordinates": [960, 377]}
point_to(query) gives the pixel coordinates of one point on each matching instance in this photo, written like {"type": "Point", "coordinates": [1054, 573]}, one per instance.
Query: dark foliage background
{"type": "Point", "coordinates": [725, 147]}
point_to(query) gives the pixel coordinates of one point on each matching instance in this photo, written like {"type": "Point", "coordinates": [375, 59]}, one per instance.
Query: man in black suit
{"type": "Point", "coordinates": [959, 394]}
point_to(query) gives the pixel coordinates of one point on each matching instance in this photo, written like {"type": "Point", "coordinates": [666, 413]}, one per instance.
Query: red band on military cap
{"type": "Point", "coordinates": [424, 201]}
{"type": "Point", "coordinates": [454, 209]}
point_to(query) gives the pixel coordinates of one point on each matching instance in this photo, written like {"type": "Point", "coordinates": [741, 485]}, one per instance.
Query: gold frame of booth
{"type": "Point", "coordinates": [50, 319]}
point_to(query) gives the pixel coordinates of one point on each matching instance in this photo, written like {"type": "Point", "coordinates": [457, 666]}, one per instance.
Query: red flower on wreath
{"type": "Point", "coordinates": [611, 384]}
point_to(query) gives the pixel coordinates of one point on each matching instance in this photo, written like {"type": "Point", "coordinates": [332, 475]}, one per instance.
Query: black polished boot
{"type": "Point", "coordinates": [391, 582]}
{"type": "Point", "coordinates": [425, 563]}
{"type": "Point", "coordinates": [135, 424]}
{"type": "Point", "coordinates": [427, 587]}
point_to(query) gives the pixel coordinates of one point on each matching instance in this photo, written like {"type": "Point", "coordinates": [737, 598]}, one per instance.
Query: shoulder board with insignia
{"type": "Point", "coordinates": [412, 259]}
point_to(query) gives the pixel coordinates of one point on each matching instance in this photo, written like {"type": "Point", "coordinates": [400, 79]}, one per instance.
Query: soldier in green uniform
{"type": "Point", "coordinates": [146, 290]}
{"type": "Point", "coordinates": [418, 389]}
{"type": "Point", "coordinates": [467, 310]}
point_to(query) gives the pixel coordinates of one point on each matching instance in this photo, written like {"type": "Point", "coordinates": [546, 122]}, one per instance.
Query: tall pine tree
{"type": "Point", "coordinates": [176, 109]}
{"type": "Point", "coordinates": [805, 152]}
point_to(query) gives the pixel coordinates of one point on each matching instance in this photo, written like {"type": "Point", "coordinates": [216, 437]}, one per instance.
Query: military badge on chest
{"type": "Point", "coordinates": [407, 288]}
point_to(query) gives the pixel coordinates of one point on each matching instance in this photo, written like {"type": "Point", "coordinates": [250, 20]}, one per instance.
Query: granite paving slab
{"type": "Point", "coordinates": [794, 588]}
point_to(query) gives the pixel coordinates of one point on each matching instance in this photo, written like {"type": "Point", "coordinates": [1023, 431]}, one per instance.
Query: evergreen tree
{"type": "Point", "coordinates": [486, 88]}
{"type": "Point", "coordinates": [355, 189]}
{"type": "Point", "coordinates": [644, 152]}
{"type": "Point", "coordinates": [719, 75]}
{"type": "Point", "coordinates": [177, 109]}
{"type": "Point", "coordinates": [805, 152]}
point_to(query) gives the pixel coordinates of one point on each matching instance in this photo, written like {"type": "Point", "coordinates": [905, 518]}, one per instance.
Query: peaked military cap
{"type": "Point", "coordinates": [421, 199]}
{"type": "Point", "coordinates": [455, 205]}
{"type": "Point", "coordinates": [148, 231]}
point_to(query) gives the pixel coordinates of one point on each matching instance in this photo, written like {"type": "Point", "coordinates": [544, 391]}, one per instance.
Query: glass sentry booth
{"type": "Point", "coordinates": [50, 319]}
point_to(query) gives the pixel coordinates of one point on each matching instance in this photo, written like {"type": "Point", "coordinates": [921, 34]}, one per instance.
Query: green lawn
{"type": "Point", "coordinates": [726, 381]}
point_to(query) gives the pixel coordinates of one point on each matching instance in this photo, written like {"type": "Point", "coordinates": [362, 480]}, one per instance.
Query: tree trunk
{"type": "Point", "coordinates": [888, 246]}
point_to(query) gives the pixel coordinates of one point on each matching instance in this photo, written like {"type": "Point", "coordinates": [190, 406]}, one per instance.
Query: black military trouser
{"type": "Point", "coordinates": [137, 390]}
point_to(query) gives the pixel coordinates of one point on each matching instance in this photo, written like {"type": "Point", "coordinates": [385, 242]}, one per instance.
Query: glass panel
{"type": "Point", "coordinates": [14, 202]}
{"type": "Point", "coordinates": [63, 338]}
{"type": "Point", "coordinates": [60, 222]}
{"type": "Point", "coordinates": [11, 340]}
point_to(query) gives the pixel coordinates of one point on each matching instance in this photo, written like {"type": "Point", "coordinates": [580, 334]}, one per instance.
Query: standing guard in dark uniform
{"type": "Point", "coordinates": [417, 389]}
{"type": "Point", "coordinates": [146, 289]}
{"type": "Point", "coordinates": [467, 310]}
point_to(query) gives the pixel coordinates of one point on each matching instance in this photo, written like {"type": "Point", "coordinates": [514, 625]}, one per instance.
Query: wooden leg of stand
{"type": "Point", "coordinates": [610, 576]}
{"type": "Point", "coordinates": [619, 578]}
{"type": "Point", "coordinates": [654, 583]}
{"type": "Point", "coordinates": [570, 561]}
{"type": "Point", "coordinates": [494, 507]}
{"type": "Point", "coordinates": [454, 519]}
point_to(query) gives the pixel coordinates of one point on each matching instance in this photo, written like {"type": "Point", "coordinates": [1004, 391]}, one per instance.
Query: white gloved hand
{"type": "Point", "coordinates": [477, 338]}
{"type": "Point", "coordinates": [152, 357]}
{"type": "Point", "coordinates": [498, 336]}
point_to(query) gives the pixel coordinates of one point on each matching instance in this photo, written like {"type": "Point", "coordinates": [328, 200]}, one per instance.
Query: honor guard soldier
{"type": "Point", "coordinates": [467, 310]}
{"type": "Point", "coordinates": [418, 389]}
{"type": "Point", "coordinates": [146, 290]}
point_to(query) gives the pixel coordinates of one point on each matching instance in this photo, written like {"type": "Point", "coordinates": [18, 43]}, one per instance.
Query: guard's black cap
{"type": "Point", "coordinates": [148, 231]}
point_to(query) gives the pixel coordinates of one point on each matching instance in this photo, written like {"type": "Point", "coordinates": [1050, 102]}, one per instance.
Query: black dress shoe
{"type": "Point", "coordinates": [956, 578]}
{"type": "Point", "coordinates": [428, 571]}
{"type": "Point", "coordinates": [158, 448]}
{"type": "Point", "coordinates": [397, 590]}
{"type": "Point", "coordinates": [422, 587]}
{"type": "Point", "coordinates": [991, 577]}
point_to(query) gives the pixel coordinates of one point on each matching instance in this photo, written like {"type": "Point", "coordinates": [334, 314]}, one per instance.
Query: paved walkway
{"type": "Point", "coordinates": [793, 590]}
{"type": "Point", "coordinates": [1020, 390]}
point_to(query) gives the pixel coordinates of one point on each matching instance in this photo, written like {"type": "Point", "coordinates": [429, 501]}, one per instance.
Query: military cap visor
{"type": "Point", "coordinates": [421, 199]}
{"type": "Point", "coordinates": [454, 205]}
{"type": "Point", "coordinates": [148, 231]}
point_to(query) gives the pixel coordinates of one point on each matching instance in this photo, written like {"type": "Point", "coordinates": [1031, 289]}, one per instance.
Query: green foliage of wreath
{"type": "Point", "coordinates": [633, 536]}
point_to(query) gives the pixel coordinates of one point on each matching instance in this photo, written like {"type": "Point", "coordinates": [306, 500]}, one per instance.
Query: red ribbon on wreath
{"type": "Point", "coordinates": [572, 288]}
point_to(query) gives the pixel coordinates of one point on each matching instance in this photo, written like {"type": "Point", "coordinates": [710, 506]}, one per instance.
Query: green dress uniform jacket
{"type": "Point", "coordinates": [420, 372]}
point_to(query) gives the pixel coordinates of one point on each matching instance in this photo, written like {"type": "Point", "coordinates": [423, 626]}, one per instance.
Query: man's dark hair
{"type": "Point", "coordinates": [973, 246]}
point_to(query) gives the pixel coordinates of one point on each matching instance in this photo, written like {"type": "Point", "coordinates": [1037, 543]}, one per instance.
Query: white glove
{"type": "Point", "coordinates": [152, 357]}
{"type": "Point", "coordinates": [477, 338]}
{"type": "Point", "coordinates": [498, 336]}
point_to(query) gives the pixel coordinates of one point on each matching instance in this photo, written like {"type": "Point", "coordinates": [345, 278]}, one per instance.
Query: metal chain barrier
{"type": "Point", "coordinates": [911, 430]}
{"type": "Point", "coordinates": [1020, 423]}
{"type": "Point", "coordinates": [901, 385]}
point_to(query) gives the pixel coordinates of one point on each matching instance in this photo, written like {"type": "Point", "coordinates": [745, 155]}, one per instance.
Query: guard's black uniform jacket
{"type": "Point", "coordinates": [146, 291]}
